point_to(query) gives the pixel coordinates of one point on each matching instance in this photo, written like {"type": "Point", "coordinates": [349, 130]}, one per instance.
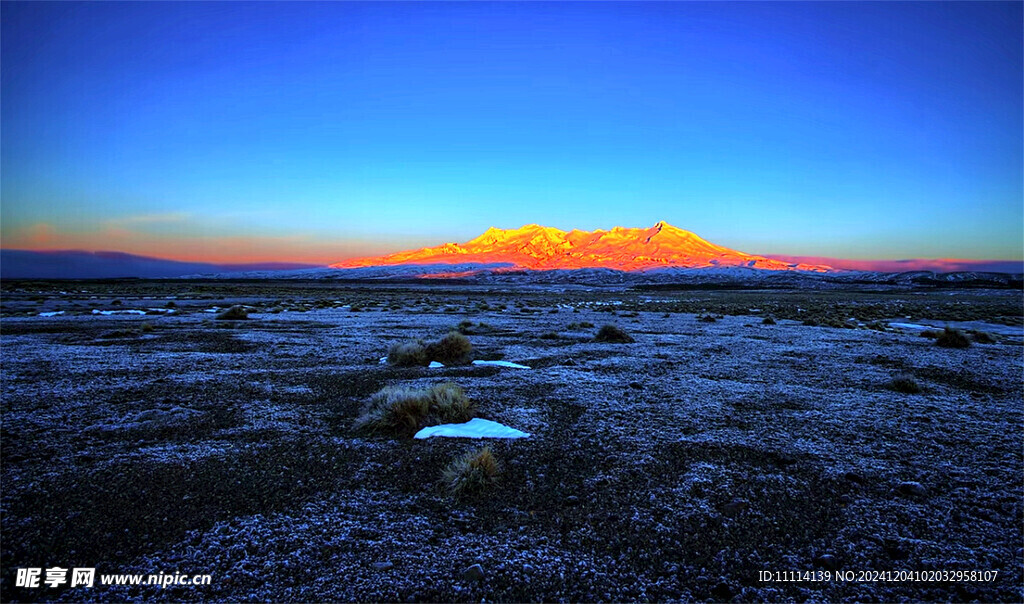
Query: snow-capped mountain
{"type": "Point", "coordinates": [536, 247]}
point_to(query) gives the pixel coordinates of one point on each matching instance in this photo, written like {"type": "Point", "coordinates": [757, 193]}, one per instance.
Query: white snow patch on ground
{"type": "Point", "coordinates": [501, 364]}
{"type": "Point", "coordinates": [909, 326]}
{"type": "Point", "coordinates": [474, 428]}
{"type": "Point", "coordinates": [435, 365]}
{"type": "Point", "coordinates": [118, 312]}
{"type": "Point", "coordinates": [52, 313]}
{"type": "Point", "coordinates": [383, 360]}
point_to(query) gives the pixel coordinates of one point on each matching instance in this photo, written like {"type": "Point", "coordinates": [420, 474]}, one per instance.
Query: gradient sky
{"type": "Point", "coordinates": [319, 131]}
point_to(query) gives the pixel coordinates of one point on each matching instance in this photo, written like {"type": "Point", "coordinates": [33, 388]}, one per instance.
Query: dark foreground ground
{"type": "Point", "coordinates": [676, 467]}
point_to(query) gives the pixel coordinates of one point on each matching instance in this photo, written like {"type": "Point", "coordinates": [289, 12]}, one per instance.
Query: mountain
{"type": "Point", "coordinates": [937, 265]}
{"type": "Point", "coordinates": [535, 247]}
{"type": "Point", "coordinates": [75, 264]}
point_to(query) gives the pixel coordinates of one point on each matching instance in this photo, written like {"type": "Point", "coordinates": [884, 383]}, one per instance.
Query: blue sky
{"type": "Point", "coordinates": [318, 131]}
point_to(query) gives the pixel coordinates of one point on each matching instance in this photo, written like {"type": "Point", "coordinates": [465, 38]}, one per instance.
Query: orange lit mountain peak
{"type": "Point", "coordinates": [537, 247]}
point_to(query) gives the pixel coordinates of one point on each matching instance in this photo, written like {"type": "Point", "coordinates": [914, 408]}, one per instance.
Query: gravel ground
{"type": "Point", "coordinates": [680, 466]}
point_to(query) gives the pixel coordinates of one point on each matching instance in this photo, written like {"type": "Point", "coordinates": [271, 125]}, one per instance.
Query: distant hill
{"type": "Point", "coordinates": [938, 265]}
{"type": "Point", "coordinates": [75, 264]}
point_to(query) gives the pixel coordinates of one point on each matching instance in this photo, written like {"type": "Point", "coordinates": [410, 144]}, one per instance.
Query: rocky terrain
{"type": "Point", "coordinates": [740, 432]}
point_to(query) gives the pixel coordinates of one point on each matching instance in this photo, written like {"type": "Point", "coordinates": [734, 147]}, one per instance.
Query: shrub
{"type": "Point", "coordinates": [905, 383]}
{"type": "Point", "coordinates": [579, 325]}
{"type": "Point", "coordinates": [405, 410]}
{"type": "Point", "coordinates": [409, 354]}
{"type": "Point", "coordinates": [472, 473]}
{"type": "Point", "coordinates": [768, 321]}
{"type": "Point", "coordinates": [453, 349]}
{"type": "Point", "coordinates": [611, 333]}
{"type": "Point", "coordinates": [146, 327]}
{"type": "Point", "coordinates": [235, 313]}
{"type": "Point", "coordinates": [982, 338]}
{"type": "Point", "coordinates": [450, 405]}
{"type": "Point", "coordinates": [706, 319]}
{"type": "Point", "coordinates": [551, 335]}
{"type": "Point", "coordinates": [468, 328]}
{"type": "Point", "coordinates": [952, 338]}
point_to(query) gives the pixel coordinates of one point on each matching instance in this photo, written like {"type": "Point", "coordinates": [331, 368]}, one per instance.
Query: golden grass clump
{"type": "Point", "coordinates": [453, 349]}
{"type": "Point", "coordinates": [614, 334]}
{"type": "Point", "coordinates": [472, 473]}
{"type": "Point", "coordinates": [403, 410]}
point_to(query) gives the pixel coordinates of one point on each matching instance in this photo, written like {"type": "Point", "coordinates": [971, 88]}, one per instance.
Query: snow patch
{"type": "Point", "coordinates": [501, 364]}
{"type": "Point", "coordinates": [118, 312]}
{"type": "Point", "coordinates": [53, 313]}
{"type": "Point", "coordinates": [474, 428]}
{"type": "Point", "coordinates": [910, 326]}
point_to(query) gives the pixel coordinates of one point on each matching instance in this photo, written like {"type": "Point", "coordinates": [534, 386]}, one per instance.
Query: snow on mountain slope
{"type": "Point", "coordinates": [536, 247]}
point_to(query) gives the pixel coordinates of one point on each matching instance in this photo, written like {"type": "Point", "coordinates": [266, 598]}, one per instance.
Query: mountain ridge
{"type": "Point", "coordinates": [537, 247]}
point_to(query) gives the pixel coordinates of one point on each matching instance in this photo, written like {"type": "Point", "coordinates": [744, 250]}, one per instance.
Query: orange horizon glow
{"type": "Point", "coordinates": [348, 253]}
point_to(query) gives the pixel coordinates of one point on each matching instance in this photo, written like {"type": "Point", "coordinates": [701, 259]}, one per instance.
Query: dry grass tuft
{"type": "Point", "coordinates": [408, 354]}
{"type": "Point", "coordinates": [952, 338]}
{"type": "Point", "coordinates": [471, 474]}
{"type": "Point", "coordinates": [403, 410]}
{"type": "Point", "coordinates": [612, 333]}
{"type": "Point", "coordinates": [982, 337]}
{"type": "Point", "coordinates": [453, 349]}
{"type": "Point", "coordinates": [768, 321]}
{"type": "Point", "coordinates": [235, 313]}
{"type": "Point", "coordinates": [905, 383]}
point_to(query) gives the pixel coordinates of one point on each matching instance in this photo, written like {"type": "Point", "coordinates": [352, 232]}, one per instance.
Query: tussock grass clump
{"type": "Point", "coordinates": [453, 349]}
{"type": "Point", "coordinates": [471, 474]}
{"type": "Point", "coordinates": [612, 333]}
{"type": "Point", "coordinates": [450, 405]}
{"type": "Point", "coordinates": [952, 338]}
{"type": "Point", "coordinates": [235, 313]}
{"type": "Point", "coordinates": [404, 410]}
{"type": "Point", "coordinates": [409, 354]}
{"type": "Point", "coordinates": [768, 321]}
{"type": "Point", "coordinates": [147, 327]}
{"type": "Point", "coordinates": [579, 325]}
{"type": "Point", "coordinates": [469, 328]}
{"type": "Point", "coordinates": [707, 318]}
{"type": "Point", "coordinates": [982, 337]}
{"type": "Point", "coordinates": [905, 383]}
{"type": "Point", "coordinates": [550, 335]}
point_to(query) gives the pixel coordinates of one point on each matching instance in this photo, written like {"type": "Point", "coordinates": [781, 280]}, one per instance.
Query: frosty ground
{"type": "Point", "coordinates": [674, 467]}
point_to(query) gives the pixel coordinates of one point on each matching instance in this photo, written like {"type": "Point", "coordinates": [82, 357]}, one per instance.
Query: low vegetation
{"type": "Point", "coordinates": [453, 349]}
{"type": "Point", "coordinates": [402, 410]}
{"type": "Point", "coordinates": [235, 313]}
{"type": "Point", "coordinates": [613, 334]}
{"type": "Point", "coordinates": [952, 338]}
{"type": "Point", "coordinates": [905, 383]}
{"type": "Point", "coordinates": [982, 337]}
{"type": "Point", "coordinates": [768, 321]}
{"type": "Point", "coordinates": [471, 474]}
{"type": "Point", "coordinates": [409, 354]}
{"type": "Point", "coordinates": [579, 325]}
